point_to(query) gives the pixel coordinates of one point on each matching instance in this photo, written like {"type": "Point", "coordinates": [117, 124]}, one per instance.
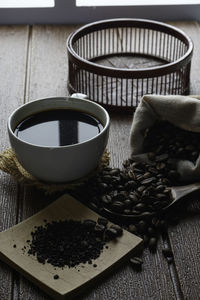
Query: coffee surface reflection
{"type": "Point", "coordinates": [58, 127]}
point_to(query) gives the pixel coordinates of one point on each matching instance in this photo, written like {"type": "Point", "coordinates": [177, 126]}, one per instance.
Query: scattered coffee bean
{"type": "Point", "coordinates": [136, 261]}
{"type": "Point", "coordinates": [132, 228]}
{"type": "Point", "coordinates": [167, 252]}
{"type": "Point", "coordinates": [143, 188]}
{"type": "Point", "coordinates": [152, 244]}
{"type": "Point", "coordinates": [102, 221]}
{"type": "Point", "coordinates": [56, 276]}
{"type": "Point", "coordinates": [118, 229]}
{"type": "Point", "coordinates": [111, 233]}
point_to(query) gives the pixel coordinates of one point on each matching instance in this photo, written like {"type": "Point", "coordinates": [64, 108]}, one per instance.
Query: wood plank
{"type": "Point", "coordinates": [192, 30]}
{"type": "Point", "coordinates": [47, 76]}
{"type": "Point", "coordinates": [185, 236]}
{"type": "Point", "coordinates": [13, 41]}
{"type": "Point", "coordinates": [48, 68]}
{"type": "Point", "coordinates": [47, 71]}
{"type": "Point", "coordinates": [71, 280]}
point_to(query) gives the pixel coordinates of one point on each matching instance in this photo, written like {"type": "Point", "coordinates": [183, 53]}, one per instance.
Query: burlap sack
{"type": "Point", "coordinates": [181, 111]}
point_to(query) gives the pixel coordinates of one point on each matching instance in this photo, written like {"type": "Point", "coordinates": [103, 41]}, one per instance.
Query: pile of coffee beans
{"type": "Point", "coordinates": [69, 242]}
{"type": "Point", "coordinates": [139, 189]}
{"type": "Point", "coordinates": [166, 139]}
{"type": "Point", "coordinates": [124, 195]}
{"type": "Point", "coordinates": [142, 187]}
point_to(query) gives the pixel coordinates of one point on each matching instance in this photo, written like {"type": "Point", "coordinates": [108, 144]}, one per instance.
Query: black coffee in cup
{"type": "Point", "coordinates": [58, 127]}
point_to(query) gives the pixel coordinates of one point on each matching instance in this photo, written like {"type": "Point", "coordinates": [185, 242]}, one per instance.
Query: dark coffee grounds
{"type": "Point", "coordinates": [70, 242]}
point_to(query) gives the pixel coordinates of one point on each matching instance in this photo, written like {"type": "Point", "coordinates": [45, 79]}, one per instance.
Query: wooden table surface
{"type": "Point", "coordinates": [33, 64]}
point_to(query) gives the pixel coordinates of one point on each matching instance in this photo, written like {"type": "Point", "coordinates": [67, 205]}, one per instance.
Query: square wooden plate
{"type": "Point", "coordinates": [71, 280]}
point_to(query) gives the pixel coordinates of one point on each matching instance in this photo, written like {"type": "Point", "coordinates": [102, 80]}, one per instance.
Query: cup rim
{"type": "Point", "coordinates": [61, 98]}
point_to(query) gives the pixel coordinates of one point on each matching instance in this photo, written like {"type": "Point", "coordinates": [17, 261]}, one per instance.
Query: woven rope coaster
{"type": "Point", "coordinates": [10, 165]}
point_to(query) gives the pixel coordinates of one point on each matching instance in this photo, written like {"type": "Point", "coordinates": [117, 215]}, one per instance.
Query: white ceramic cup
{"type": "Point", "coordinates": [62, 163]}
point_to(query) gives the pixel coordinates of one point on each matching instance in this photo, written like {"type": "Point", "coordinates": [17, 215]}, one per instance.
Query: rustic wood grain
{"type": "Point", "coordinates": [13, 48]}
{"type": "Point", "coordinates": [71, 280]}
{"type": "Point", "coordinates": [48, 54]}
{"type": "Point", "coordinates": [185, 236]}
{"type": "Point", "coordinates": [47, 70]}
{"type": "Point", "coordinates": [34, 64]}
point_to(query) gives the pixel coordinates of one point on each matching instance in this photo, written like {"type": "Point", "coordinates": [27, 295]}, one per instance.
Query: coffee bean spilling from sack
{"type": "Point", "coordinates": [166, 139]}
{"type": "Point", "coordinates": [141, 188]}
{"type": "Point", "coordinates": [128, 191]}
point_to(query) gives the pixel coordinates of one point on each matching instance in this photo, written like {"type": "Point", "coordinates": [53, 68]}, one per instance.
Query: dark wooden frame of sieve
{"type": "Point", "coordinates": [121, 88]}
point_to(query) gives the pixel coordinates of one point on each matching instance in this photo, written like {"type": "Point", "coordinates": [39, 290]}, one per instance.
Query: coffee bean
{"type": "Point", "coordinates": [153, 170]}
{"type": "Point", "coordinates": [149, 200]}
{"type": "Point", "coordinates": [161, 197]}
{"type": "Point", "coordinates": [159, 149]}
{"type": "Point", "coordinates": [102, 221]}
{"type": "Point", "coordinates": [118, 229]}
{"type": "Point", "coordinates": [119, 197]}
{"type": "Point", "coordinates": [111, 233]}
{"type": "Point", "coordinates": [165, 181]}
{"type": "Point", "coordinates": [117, 206]}
{"type": "Point", "coordinates": [89, 223]}
{"type": "Point", "coordinates": [189, 148]}
{"type": "Point", "coordinates": [114, 172]}
{"type": "Point", "coordinates": [152, 244]}
{"type": "Point", "coordinates": [147, 175]}
{"type": "Point", "coordinates": [160, 188]}
{"type": "Point", "coordinates": [132, 228]}
{"type": "Point", "coordinates": [140, 206]}
{"type": "Point", "coordinates": [99, 229]}
{"type": "Point", "coordinates": [84, 243]}
{"type": "Point", "coordinates": [127, 211]}
{"type": "Point", "coordinates": [172, 174]}
{"type": "Point", "coordinates": [103, 186]}
{"type": "Point", "coordinates": [107, 178]}
{"type": "Point", "coordinates": [151, 231]}
{"type": "Point", "coordinates": [134, 198]}
{"type": "Point", "coordinates": [167, 252]}
{"type": "Point", "coordinates": [130, 184]}
{"type": "Point", "coordinates": [145, 239]}
{"type": "Point", "coordinates": [140, 177]}
{"type": "Point", "coordinates": [142, 226]}
{"type": "Point", "coordinates": [162, 157]}
{"type": "Point", "coordinates": [160, 166]}
{"type": "Point", "coordinates": [136, 212]}
{"type": "Point", "coordinates": [136, 261]}
{"type": "Point", "coordinates": [155, 221]}
{"type": "Point", "coordinates": [141, 188]}
{"type": "Point", "coordinates": [136, 170]}
{"type": "Point", "coordinates": [148, 181]}
{"type": "Point", "coordinates": [151, 155]}
{"type": "Point", "coordinates": [127, 203]}
{"type": "Point", "coordinates": [146, 213]}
